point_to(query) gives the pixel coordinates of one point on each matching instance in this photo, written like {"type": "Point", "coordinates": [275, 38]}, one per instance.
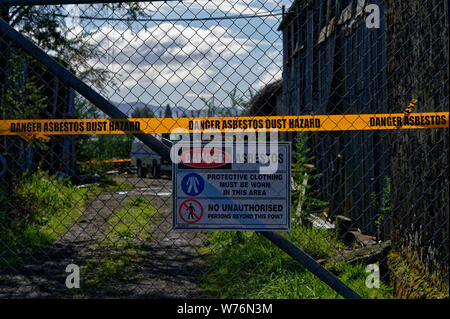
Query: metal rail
{"type": "Point", "coordinates": [64, 2]}
{"type": "Point", "coordinates": [309, 263]}
{"type": "Point", "coordinates": [95, 98]}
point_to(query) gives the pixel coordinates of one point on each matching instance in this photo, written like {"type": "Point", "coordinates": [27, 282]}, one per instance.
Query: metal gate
{"type": "Point", "coordinates": [81, 216]}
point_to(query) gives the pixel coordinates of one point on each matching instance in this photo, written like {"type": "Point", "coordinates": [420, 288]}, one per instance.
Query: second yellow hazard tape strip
{"type": "Point", "coordinates": [124, 160]}
{"type": "Point", "coordinates": [317, 123]}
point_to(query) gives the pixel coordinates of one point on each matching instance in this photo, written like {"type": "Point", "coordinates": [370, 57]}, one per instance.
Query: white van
{"type": "Point", "coordinates": [145, 160]}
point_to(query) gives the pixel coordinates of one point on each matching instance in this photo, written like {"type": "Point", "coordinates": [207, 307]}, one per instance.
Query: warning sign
{"type": "Point", "coordinates": [190, 211]}
{"type": "Point", "coordinates": [229, 192]}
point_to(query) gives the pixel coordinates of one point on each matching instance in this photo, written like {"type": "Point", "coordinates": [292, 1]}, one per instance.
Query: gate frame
{"type": "Point", "coordinates": [108, 108]}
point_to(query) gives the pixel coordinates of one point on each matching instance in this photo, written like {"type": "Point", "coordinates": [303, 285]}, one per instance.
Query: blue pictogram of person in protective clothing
{"type": "Point", "coordinates": [192, 184]}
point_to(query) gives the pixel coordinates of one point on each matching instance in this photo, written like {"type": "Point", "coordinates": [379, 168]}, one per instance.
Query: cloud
{"type": "Point", "coordinates": [199, 96]}
{"type": "Point", "coordinates": [226, 7]}
{"type": "Point", "coordinates": [234, 7]}
{"type": "Point", "coordinates": [273, 73]}
{"type": "Point", "coordinates": [169, 53]}
{"type": "Point", "coordinates": [175, 62]}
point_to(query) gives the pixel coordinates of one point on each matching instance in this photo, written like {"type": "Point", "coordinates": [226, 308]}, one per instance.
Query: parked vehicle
{"type": "Point", "coordinates": [146, 160]}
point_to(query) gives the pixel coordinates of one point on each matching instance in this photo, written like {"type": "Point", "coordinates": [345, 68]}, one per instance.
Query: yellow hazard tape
{"type": "Point", "coordinates": [105, 161]}
{"type": "Point", "coordinates": [317, 123]}
{"type": "Point", "coordinates": [410, 107]}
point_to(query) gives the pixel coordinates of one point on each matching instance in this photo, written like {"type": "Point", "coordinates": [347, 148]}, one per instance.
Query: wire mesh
{"type": "Point", "coordinates": [366, 204]}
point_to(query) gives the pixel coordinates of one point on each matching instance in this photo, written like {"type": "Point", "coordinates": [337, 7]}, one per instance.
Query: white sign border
{"type": "Point", "coordinates": [191, 227]}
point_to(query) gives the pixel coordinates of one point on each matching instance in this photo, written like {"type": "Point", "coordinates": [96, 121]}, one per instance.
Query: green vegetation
{"type": "Point", "coordinates": [119, 256]}
{"type": "Point", "coordinates": [239, 104]}
{"type": "Point", "coordinates": [250, 266]}
{"type": "Point", "coordinates": [383, 206]}
{"type": "Point", "coordinates": [302, 170]}
{"type": "Point", "coordinates": [102, 147]}
{"type": "Point", "coordinates": [246, 265]}
{"type": "Point", "coordinates": [130, 222]}
{"type": "Point", "coordinates": [22, 97]}
{"type": "Point", "coordinates": [38, 212]}
{"type": "Point", "coordinates": [56, 202]}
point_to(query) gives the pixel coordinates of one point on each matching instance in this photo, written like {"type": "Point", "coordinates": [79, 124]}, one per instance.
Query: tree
{"type": "Point", "coordinates": [239, 104]}
{"type": "Point", "coordinates": [47, 27]}
{"type": "Point", "coordinates": [142, 112]}
{"type": "Point", "coordinates": [211, 107]}
{"type": "Point", "coordinates": [21, 94]}
{"type": "Point", "coordinates": [168, 112]}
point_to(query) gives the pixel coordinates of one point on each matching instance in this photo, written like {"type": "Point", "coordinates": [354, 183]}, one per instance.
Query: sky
{"type": "Point", "coordinates": [183, 62]}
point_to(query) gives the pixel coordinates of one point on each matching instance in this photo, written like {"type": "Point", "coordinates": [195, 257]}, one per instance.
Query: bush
{"type": "Point", "coordinates": [47, 194]}
{"type": "Point", "coordinates": [39, 211]}
{"type": "Point", "coordinates": [303, 194]}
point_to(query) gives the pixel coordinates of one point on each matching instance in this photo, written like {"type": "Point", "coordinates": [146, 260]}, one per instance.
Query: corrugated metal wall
{"type": "Point", "coordinates": [418, 66]}
{"type": "Point", "coordinates": [334, 64]}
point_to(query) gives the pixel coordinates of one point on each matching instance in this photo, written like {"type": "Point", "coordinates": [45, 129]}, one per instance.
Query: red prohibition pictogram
{"type": "Point", "coordinates": [192, 209]}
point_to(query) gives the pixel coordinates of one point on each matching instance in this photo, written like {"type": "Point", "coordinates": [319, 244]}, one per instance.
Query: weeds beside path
{"type": "Point", "coordinates": [122, 239]}
{"type": "Point", "coordinates": [124, 246]}
{"type": "Point", "coordinates": [246, 265]}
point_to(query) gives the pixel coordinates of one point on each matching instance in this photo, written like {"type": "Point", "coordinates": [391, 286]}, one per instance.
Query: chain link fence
{"type": "Point", "coordinates": [369, 206]}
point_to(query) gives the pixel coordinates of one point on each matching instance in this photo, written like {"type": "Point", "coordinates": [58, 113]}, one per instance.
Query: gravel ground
{"type": "Point", "coordinates": [168, 263]}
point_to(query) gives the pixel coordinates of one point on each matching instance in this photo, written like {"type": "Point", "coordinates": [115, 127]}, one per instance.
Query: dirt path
{"type": "Point", "coordinates": [163, 267]}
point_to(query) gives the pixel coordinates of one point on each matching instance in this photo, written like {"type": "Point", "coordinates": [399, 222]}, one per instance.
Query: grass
{"type": "Point", "coordinates": [246, 265]}
{"type": "Point", "coordinates": [118, 256]}
{"type": "Point", "coordinates": [38, 212]}
{"type": "Point", "coordinates": [240, 264]}
{"type": "Point", "coordinates": [130, 222]}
